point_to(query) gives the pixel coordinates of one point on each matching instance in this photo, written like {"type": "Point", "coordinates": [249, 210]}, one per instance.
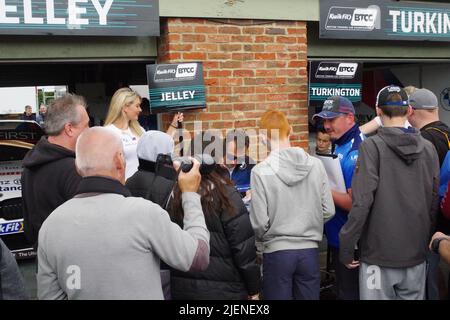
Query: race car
{"type": "Point", "coordinates": [17, 137]}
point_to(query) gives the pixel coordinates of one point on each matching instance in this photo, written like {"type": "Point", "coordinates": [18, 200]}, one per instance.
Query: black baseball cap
{"type": "Point", "coordinates": [384, 96]}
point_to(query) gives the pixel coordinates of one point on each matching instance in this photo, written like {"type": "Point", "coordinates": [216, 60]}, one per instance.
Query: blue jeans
{"type": "Point", "coordinates": [291, 274]}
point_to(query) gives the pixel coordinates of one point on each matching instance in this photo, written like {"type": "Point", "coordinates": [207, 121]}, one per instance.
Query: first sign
{"type": "Point", "coordinates": [80, 17]}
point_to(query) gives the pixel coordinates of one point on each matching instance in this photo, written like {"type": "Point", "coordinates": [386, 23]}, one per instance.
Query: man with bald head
{"type": "Point", "coordinates": [105, 244]}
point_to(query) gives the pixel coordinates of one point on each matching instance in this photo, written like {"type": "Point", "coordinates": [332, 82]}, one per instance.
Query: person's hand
{"type": "Point", "coordinates": [189, 181]}
{"type": "Point", "coordinates": [253, 297]}
{"type": "Point", "coordinates": [178, 117]}
{"type": "Point", "coordinates": [353, 265]}
{"type": "Point", "coordinates": [437, 235]}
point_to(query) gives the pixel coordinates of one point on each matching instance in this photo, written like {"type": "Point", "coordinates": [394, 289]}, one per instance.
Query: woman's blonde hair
{"type": "Point", "coordinates": [122, 98]}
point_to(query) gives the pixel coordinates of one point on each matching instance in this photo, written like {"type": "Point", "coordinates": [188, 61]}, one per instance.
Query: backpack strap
{"type": "Point", "coordinates": [443, 132]}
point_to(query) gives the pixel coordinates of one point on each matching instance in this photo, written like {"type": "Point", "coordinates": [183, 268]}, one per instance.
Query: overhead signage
{"type": "Point", "coordinates": [80, 17]}
{"type": "Point", "coordinates": [334, 78]}
{"type": "Point", "coordinates": [176, 86]}
{"type": "Point", "coordinates": [384, 20]}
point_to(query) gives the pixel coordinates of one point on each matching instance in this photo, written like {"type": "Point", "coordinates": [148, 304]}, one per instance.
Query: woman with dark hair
{"type": "Point", "coordinates": [232, 272]}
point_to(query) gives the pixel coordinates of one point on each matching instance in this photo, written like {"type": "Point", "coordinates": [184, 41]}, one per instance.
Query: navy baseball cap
{"type": "Point", "coordinates": [334, 107]}
{"type": "Point", "coordinates": [384, 97]}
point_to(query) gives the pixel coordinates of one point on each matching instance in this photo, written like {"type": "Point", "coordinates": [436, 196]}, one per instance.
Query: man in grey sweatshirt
{"type": "Point", "coordinates": [105, 244]}
{"type": "Point", "coordinates": [395, 205]}
{"type": "Point", "coordinates": [291, 201]}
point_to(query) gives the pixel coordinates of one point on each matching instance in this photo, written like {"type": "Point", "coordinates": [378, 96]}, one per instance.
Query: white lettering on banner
{"type": "Point", "coordinates": [75, 10]}
{"type": "Point", "coordinates": [51, 19]}
{"type": "Point", "coordinates": [5, 9]}
{"type": "Point", "coordinates": [344, 92]}
{"type": "Point", "coordinates": [102, 11]}
{"type": "Point", "coordinates": [420, 22]}
{"type": "Point", "coordinates": [175, 96]}
{"type": "Point", "coordinates": [28, 16]}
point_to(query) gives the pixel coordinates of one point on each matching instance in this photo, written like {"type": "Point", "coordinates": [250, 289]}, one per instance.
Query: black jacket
{"type": "Point", "coordinates": [49, 179]}
{"type": "Point", "coordinates": [395, 200]}
{"type": "Point", "coordinates": [440, 142]}
{"type": "Point", "coordinates": [232, 273]}
{"type": "Point", "coordinates": [145, 184]}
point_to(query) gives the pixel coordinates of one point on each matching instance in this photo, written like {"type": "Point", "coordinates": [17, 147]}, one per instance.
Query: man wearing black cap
{"type": "Point", "coordinates": [425, 117]}
{"type": "Point", "coordinates": [338, 114]}
{"type": "Point", "coordinates": [395, 202]}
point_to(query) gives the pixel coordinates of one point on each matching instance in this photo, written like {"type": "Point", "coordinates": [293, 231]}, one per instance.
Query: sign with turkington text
{"type": "Point", "coordinates": [384, 20]}
{"type": "Point", "coordinates": [80, 17]}
{"type": "Point", "coordinates": [334, 78]}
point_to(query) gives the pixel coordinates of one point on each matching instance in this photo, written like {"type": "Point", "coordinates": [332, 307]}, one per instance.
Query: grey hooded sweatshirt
{"type": "Point", "coordinates": [395, 200]}
{"type": "Point", "coordinates": [291, 200]}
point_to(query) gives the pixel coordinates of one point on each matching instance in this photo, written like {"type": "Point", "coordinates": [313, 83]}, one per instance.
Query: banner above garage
{"type": "Point", "coordinates": [80, 17]}
{"type": "Point", "coordinates": [384, 20]}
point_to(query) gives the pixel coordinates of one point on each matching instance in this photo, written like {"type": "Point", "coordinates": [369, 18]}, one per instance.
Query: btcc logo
{"type": "Point", "coordinates": [336, 70]}
{"type": "Point", "coordinates": [347, 69]}
{"type": "Point", "coordinates": [186, 70]}
{"type": "Point", "coordinates": [364, 18]}
{"type": "Point", "coordinates": [353, 19]}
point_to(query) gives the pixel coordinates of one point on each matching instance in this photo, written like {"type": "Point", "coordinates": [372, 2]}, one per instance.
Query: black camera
{"type": "Point", "coordinates": [207, 163]}
{"type": "Point", "coordinates": [164, 167]}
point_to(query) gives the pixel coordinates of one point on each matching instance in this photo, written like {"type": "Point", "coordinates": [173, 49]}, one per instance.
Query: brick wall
{"type": "Point", "coordinates": [249, 67]}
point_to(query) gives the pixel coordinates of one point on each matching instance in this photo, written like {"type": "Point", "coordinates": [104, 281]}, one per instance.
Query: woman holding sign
{"type": "Point", "coordinates": [122, 118]}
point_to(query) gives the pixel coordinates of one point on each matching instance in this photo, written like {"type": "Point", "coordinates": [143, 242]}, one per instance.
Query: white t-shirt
{"type": "Point", "coordinates": [130, 141]}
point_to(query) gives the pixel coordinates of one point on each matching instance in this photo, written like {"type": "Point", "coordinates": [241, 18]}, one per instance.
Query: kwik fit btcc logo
{"type": "Point", "coordinates": [11, 227]}
{"type": "Point", "coordinates": [354, 19]}
{"type": "Point", "coordinates": [336, 70]}
{"type": "Point", "coordinates": [180, 72]}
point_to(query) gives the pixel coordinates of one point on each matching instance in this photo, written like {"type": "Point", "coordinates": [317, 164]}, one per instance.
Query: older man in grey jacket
{"type": "Point", "coordinates": [105, 244]}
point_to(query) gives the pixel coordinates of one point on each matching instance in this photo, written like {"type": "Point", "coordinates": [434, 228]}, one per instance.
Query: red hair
{"type": "Point", "coordinates": [275, 120]}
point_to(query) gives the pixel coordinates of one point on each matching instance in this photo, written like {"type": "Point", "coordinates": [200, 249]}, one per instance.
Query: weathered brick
{"type": "Point", "coordinates": [243, 56]}
{"type": "Point", "coordinates": [296, 31]}
{"type": "Point", "coordinates": [241, 39]}
{"type": "Point", "coordinates": [230, 30]}
{"type": "Point", "coordinates": [282, 39]}
{"type": "Point", "coordinates": [231, 64]}
{"type": "Point", "coordinates": [219, 38]}
{"type": "Point", "coordinates": [205, 29]}
{"type": "Point", "coordinates": [194, 55]}
{"type": "Point", "coordinates": [193, 38]}
{"type": "Point", "coordinates": [243, 73]}
{"type": "Point", "coordinates": [266, 39]}
{"type": "Point", "coordinates": [275, 31]}
{"type": "Point", "coordinates": [244, 90]}
{"type": "Point", "coordinates": [220, 73]}
{"type": "Point", "coordinates": [207, 47]}
{"type": "Point", "coordinates": [266, 73]}
{"type": "Point", "coordinates": [275, 48]}
{"type": "Point", "coordinates": [265, 56]}
{"type": "Point", "coordinates": [253, 64]}
{"type": "Point", "coordinates": [219, 56]}
{"type": "Point", "coordinates": [231, 47]}
{"type": "Point", "coordinates": [252, 30]}
{"type": "Point", "coordinates": [254, 47]}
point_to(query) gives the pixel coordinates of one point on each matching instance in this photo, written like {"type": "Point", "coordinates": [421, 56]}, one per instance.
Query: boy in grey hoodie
{"type": "Point", "coordinates": [395, 203]}
{"type": "Point", "coordinates": [291, 201]}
